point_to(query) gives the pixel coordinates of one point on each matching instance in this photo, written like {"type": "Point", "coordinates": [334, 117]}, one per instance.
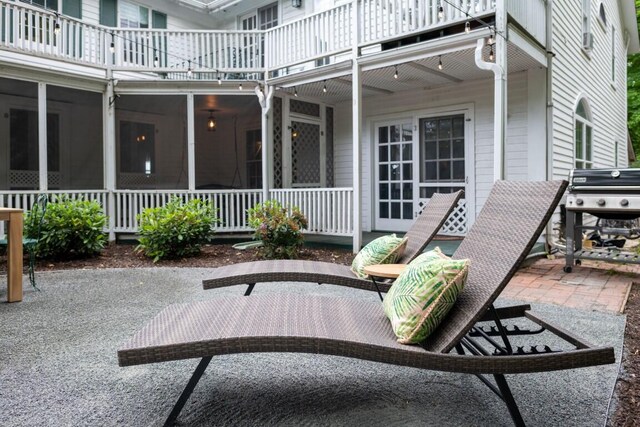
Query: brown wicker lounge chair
{"type": "Point", "coordinates": [423, 230]}
{"type": "Point", "coordinates": [510, 222]}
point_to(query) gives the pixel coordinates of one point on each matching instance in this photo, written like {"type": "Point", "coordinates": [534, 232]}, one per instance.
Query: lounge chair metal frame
{"type": "Point", "coordinates": [352, 327]}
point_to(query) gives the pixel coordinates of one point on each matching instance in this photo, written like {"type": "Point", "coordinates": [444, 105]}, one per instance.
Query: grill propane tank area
{"type": "Point", "coordinates": [612, 198]}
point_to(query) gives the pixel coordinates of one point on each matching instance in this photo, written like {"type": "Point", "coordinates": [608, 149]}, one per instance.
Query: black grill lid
{"type": "Point", "coordinates": [604, 179]}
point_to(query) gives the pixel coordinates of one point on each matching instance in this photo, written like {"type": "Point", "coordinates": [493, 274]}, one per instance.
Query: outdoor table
{"type": "Point", "coordinates": [383, 271]}
{"type": "Point", "coordinates": [14, 252]}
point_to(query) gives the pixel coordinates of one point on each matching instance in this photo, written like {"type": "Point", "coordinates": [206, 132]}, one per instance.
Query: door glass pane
{"type": "Point", "coordinates": [383, 134]}
{"type": "Point", "coordinates": [444, 129]}
{"type": "Point", "coordinates": [444, 149]}
{"type": "Point", "coordinates": [395, 210]}
{"type": "Point", "coordinates": [407, 191]}
{"type": "Point", "coordinates": [384, 210]}
{"type": "Point", "coordinates": [395, 172]}
{"type": "Point", "coordinates": [395, 133]}
{"type": "Point", "coordinates": [384, 191]}
{"type": "Point", "coordinates": [458, 127]}
{"type": "Point", "coordinates": [383, 153]}
{"type": "Point", "coordinates": [383, 171]}
{"type": "Point", "coordinates": [395, 152]}
{"type": "Point", "coordinates": [430, 172]}
{"type": "Point", "coordinates": [458, 170]}
{"type": "Point", "coordinates": [407, 171]}
{"type": "Point", "coordinates": [395, 192]}
{"type": "Point", "coordinates": [407, 132]}
{"type": "Point", "coordinates": [407, 152]}
{"type": "Point", "coordinates": [430, 132]}
{"type": "Point", "coordinates": [458, 148]}
{"type": "Point", "coordinates": [407, 211]}
{"type": "Point", "coordinates": [431, 148]}
{"type": "Point", "coordinates": [444, 171]}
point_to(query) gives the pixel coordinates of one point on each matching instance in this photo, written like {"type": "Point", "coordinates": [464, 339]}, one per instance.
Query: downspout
{"type": "Point", "coordinates": [549, 245]}
{"type": "Point", "coordinates": [265, 104]}
{"type": "Point", "coordinates": [499, 121]}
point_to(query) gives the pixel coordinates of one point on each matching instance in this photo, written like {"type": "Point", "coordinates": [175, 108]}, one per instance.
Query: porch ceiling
{"type": "Point", "coordinates": [421, 74]}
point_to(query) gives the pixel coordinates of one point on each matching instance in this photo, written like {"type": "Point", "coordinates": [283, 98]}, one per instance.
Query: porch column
{"type": "Point", "coordinates": [500, 95]}
{"type": "Point", "coordinates": [266, 102]}
{"type": "Point", "coordinates": [43, 183]}
{"type": "Point", "coordinates": [356, 87]}
{"type": "Point", "coordinates": [109, 155]}
{"type": "Point", "coordinates": [191, 144]}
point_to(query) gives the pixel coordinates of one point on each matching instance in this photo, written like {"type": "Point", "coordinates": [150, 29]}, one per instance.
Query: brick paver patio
{"type": "Point", "coordinates": [594, 285]}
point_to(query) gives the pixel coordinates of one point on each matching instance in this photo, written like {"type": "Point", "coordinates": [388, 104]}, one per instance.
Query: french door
{"type": "Point", "coordinates": [416, 157]}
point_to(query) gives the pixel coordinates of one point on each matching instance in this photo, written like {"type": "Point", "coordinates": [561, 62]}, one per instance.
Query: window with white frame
{"type": "Point", "coordinates": [587, 37]}
{"type": "Point", "coordinates": [583, 136]}
{"type": "Point", "coordinates": [613, 54]}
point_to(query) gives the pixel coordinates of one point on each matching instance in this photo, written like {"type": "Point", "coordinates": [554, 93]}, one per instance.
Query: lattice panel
{"type": "Point", "coordinates": [305, 154]}
{"type": "Point", "coordinates": [135, 180]}
{"type": "Point", "coordinates": [306, 108]}
{"type": "Point", "coordinates": [456, 224]}
{"type": "Point", "coordinates": [329, 140]}
{"type": "Point", "coordinates": [19, 179]}
{"type": "Point", "coordinates": [277, 142]}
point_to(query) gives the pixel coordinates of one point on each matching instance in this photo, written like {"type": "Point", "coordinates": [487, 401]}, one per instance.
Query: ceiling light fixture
{"type": "Point", "coordinates": [440, 63]}
{"type": "Point", "coordinates": [211, 122]}
{"type": "Point", "coordinates": [324, 88]}
{"type": "Point", "coordinates": [395, 74]}
{"type": "Point", "coordinates": [295, 92]}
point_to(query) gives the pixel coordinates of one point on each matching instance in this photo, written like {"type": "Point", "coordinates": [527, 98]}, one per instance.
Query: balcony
{"type": "Point", "coordinates": [315, 40]}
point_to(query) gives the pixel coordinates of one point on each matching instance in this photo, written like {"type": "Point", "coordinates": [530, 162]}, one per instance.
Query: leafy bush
{"type": "Point", "coordinates": [279, 230]}
{"type": "Point", "coordinates": [70, 228]}
{"type": "Point", "coordinates": [176, 229]}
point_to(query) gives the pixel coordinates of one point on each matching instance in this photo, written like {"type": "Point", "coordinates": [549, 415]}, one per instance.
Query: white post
{"type": "Point", "coordinates": [266, 102]}
{"type": "Point", "coordinates": [500, 92]}
{"type": "Point", "coordinates": [191, 144]}
{"type": "Point", "coordinates": [42, 137]}
{"type": "Point", "coordinates": [356, 88]}
{"type": "Point", "coordinates": [109, 154]}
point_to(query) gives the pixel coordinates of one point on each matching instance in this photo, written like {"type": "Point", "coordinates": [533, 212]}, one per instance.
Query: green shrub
{"type": "Point", "coordinates": [279, 230]}
{"type": "Point", "coordinates": [176, 229]}
{"type": "Point", "coordinates": [70, 229]}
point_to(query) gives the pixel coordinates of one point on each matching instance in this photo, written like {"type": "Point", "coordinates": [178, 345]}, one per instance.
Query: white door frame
{"type": "Point", "coordinates": [466, 109]}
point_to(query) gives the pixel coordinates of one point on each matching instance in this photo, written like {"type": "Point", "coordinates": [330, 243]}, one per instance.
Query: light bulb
{"type": "Point", "coordinates": [440, 12]}
{"type": "Point", "coordinates": [240, 86]}
{"type": "Point", "coordinates": [395, 74]}
{"type": "Point", "coordinates": [295, 92]}
{"type": "Point", "coordinates": [56, 28]}
{"type": "Point", "coordinates": [324, 88]}
{"type": "Point", "coordinates": [491, 54]}
{"type": "Point", "coordinates": [440, 63]}
{"type": "Point", "coordinates": [467, 27]}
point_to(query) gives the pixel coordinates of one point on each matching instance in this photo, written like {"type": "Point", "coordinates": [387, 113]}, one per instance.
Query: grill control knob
{"type": "Point", "coordinates": [600, 202]}
{"type": "Point", "coordinates": [579, 202]}
{"type": "Point", "coordinates": [624, 202]}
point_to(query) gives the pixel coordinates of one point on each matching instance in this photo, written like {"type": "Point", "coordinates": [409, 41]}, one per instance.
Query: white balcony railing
{"type": "Point", "coordinates": [317, 39]}
{"type": "Point", "coordinates": [327, 209]}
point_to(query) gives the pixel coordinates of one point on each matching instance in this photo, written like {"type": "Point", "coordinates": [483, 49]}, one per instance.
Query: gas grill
{"type": "Point", "coordinates": [613, 197]}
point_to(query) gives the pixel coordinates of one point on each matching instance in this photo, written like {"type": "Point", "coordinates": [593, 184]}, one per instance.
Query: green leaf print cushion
{"type": "Point", "coordinates": [423, 294]}
{"type": "Point", "coordinates": [383, 250]}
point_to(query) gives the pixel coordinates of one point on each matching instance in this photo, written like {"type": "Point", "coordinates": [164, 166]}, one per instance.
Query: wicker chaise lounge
{"type": "Point", "coordinates": [423, 230]}
{"type": "Point", "coordinates": [505, 231]}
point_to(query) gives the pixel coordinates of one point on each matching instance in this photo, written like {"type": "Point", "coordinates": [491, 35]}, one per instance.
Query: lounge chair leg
{"type": "Point", "coordinates": [377, 288]}
{"type": "Point", "coordinates": [509, 400]}
{"type": "Point", "coordinates": [197, 374]}
{"type": "Point", "coordinates": [249, 289]}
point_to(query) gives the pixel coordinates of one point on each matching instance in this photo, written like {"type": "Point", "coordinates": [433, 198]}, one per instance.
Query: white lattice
{"type": "Point", "coordinates": [277, 142]}
{"type": "Point", "coordinates": [30, 179]}
{"type": "Point", "coordinates": [305, 155]}
{"type": "Point", "coordinates": [135, 180]}
{"type": "Point", "coordinates": [456, 224]}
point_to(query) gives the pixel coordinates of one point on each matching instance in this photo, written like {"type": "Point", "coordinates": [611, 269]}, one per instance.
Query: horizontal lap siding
{"type": "Point", "coordinates": [479, 93]}
{"type": "Point", "coordinates": [575, 73]}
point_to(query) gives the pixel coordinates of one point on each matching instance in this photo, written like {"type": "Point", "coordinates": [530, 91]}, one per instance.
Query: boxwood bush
{"type": "Point", "coordinates": [70, 229]}
{"type": "Point", "coordinates": [176, 229]}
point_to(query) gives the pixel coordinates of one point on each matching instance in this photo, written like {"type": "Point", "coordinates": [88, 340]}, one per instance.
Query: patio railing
{"type": "Point", "coordinates": [311, 41]}
{"type": "Point", "coordinates": [328, 209]}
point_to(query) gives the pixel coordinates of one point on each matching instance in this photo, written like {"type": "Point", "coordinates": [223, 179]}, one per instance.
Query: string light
{"type": "Point", "coordinates": [440, 63]}
{"type": "Point", "coordinates": [240, 86]}
{"type": "Point", "coordinates": [440, 12]}
{"type": "Point", "coordinates": [56, 28]}
{"type": "Point", "coordinates": [156, 61]}
{"type": "Point", "coordinates": [395, 74]}
{"type": "Point", "coordinates": [189, 70]}
{"type": "Point", "coordinates": [467, 27]}
{"type": "Point", "coordinates": [219, 78]}
{"type": "Point", "coordinates": [491, 40]}
{"type": "Point", "coordinates": [295, 92]}
{"type": "Point", "coordinates": [112, 46]}
{"type": "Point", "coordinates": [491, 53]}
{"type": "Point", "coordinates": [324, 88]}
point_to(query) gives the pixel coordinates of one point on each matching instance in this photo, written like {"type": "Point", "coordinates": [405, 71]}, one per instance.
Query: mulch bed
{"type": "Point", "coordinates": [627, 413]}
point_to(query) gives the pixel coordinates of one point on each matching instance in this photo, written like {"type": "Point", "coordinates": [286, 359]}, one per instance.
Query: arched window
{"type": "Point", "coordinates": [602, 15]}
{"type": "Point", "coordinates": [583, 140]}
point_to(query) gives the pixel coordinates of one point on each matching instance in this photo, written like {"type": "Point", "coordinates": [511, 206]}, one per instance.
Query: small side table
{"type": "Point", "coordinates": [383, 271]}
{"type": "Point", "coordinates": [14, 253]}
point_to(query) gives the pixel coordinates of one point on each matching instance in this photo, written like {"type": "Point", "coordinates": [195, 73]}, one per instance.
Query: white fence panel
{"type": "Point", "coordinates": [328, 210]}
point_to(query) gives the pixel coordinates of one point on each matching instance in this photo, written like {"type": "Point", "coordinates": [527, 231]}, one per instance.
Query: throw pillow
{"type": "Point", "coordinates": [423, 295]}
{"type": "Point", "coordinates": [383, 250]}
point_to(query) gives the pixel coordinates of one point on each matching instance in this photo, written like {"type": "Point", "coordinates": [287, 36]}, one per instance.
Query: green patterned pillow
{"type": "Point", "coordinates": [423, 295]}
{"type": "Point", "coordinates": [383, 250]}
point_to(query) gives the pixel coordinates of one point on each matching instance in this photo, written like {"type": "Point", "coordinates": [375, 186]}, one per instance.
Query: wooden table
{"type": "Point", "coordinates": [383, 271]}
{"type": "Point", "coordinates": [14, 253]}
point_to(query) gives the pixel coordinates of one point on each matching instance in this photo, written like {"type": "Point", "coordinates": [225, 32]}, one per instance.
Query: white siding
{"type": "Point", "coordinates": [91, 12]}
{"type": "Point", "coordinates": [576, 73]}
{"type": "Point", "coordinates": [480, 93]}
